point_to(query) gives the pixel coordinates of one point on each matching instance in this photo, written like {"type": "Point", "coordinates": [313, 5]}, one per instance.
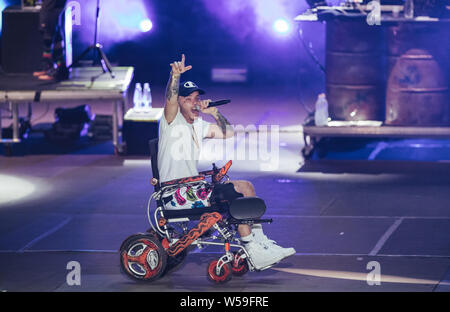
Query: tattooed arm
{"type": "Point", "coordinates": [223, 128]}
{"type": "Point", "coordinates": [171, 107]}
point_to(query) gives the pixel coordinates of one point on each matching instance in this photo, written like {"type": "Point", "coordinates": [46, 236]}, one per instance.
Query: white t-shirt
{"type": "Point", "coordinates": [179, 147]}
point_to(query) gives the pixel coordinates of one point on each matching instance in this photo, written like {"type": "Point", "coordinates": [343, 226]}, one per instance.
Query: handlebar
{"type": "Point", "coordinates": [217, 174]}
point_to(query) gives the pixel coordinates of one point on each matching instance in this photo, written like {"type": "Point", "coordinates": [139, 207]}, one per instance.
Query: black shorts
{"type": "Point", "coordinates": [224, 191]}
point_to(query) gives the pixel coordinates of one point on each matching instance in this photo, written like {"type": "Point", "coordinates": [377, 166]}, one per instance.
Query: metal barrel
{"type": "Point", "coordinates": [355, 62]}
{"type": "Point", "coordinates": [417, 92]}
{"type": "Point", "coordinates": [425, 36]}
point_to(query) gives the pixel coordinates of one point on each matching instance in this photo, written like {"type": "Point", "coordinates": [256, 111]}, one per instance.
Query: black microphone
{"type": "Point", "coordinates": [212, 104]}
{"type": "Point", "coordinates": [218, 103]}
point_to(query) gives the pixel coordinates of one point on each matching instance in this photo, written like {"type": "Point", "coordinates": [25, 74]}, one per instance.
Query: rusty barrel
{"type": "Point", "coordinates": [355, 77]}
{"type": "Point", "coordinates": [417, 92]}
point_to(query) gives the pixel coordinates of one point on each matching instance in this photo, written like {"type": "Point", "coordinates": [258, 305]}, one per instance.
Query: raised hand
{"type": "Point", "coordinates": [179, 68]}
{"type": "Point", "coordinates": [205, 109]}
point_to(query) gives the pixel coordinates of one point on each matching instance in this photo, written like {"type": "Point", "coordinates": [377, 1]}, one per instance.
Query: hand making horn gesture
{"type": "Point", "coordinates": [179, 68]}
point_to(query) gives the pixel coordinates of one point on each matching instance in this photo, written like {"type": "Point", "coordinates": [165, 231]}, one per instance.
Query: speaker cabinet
{"type": "Point", "coordinates": [139, 128]}
{"type": "Point", "coordinates": [22, 41]}
{"type": "Point", "coordinates": [136, 135]}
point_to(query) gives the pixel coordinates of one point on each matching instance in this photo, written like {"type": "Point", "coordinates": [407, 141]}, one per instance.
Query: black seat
{"type": "Point", "coordinates": [191, 214]}
{"type": "Point", "coordinates": [245, 208]}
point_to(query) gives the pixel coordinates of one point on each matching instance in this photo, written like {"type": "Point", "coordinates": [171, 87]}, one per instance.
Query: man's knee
{"type": "Point", "coordinates": [244, 187]}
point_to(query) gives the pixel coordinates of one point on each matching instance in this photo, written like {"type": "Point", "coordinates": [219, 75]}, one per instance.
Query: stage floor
{"type": "Point", "coordinates": [339, 215]}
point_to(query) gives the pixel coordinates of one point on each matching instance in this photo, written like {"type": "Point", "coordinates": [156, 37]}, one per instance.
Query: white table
{"type": "Point", "coordinates": [85, 84]}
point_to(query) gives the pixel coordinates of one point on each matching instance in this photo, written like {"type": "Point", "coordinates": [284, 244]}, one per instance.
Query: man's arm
{"type": "Point", "coordinates": [171, 107]}
{"type": "Point", "coordinates": [223, 128]}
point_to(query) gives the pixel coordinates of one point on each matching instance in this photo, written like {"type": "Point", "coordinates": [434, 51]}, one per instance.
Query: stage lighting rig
{"type": "Point", "coordinates": [315, 3]}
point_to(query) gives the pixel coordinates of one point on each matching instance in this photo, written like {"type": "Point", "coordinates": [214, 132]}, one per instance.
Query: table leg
{"type": "Point", "coordinates": [117, 140]}
{"type": "Point", "coordinates": [15, 117]}
{"type": "Point", "coordinates": [1, 121]}
{"type": "Point", "coordinates": [115, 124]}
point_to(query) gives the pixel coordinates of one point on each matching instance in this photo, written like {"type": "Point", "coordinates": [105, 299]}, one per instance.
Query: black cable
{"type": "Point", "coordinates": [310, 51]}
{"type": "Point", "coordinates": [42, 115]}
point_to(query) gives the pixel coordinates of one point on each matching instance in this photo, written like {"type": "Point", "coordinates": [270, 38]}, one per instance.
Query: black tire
{"type": "Point", "coordinates": [221, 278]}
{"type": "Point", "coordinates": [143, 258]}
{"type": "Point", "coordinates": [150, 232]}
{"type": "Point", "coordinates": [128, 239]}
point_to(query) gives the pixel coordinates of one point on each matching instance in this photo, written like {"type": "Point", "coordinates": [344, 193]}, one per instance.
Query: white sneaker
{"type": "Point", "coordinates": [262, 255]}
{"type": "Point", "coordinates": [286, 252]}
{"type": "Point", "coordinates": [260, 237]}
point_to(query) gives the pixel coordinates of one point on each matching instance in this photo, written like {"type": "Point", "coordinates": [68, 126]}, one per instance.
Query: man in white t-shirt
{"type": "Point", "coordinates": [180, 134]}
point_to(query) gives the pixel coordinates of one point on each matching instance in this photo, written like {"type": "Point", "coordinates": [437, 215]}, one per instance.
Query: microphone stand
{"type": "Point", "coordinates": [96, 48]}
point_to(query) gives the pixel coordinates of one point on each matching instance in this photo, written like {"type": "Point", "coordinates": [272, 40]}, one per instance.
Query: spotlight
{"type": "Point", "coordinates": [281, 26]}
{"type": "Point", "coordinates": [146, 25]}
{"type": "Point", "coordinates": [3, 5]}
{"type": "Point", "coordinates": [14, 188]}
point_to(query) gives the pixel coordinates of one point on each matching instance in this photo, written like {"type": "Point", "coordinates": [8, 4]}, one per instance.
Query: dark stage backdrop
{"type": "Point", "coordinates": [219, 33]}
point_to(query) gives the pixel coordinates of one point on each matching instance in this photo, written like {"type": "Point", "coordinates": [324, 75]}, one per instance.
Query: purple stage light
{"type": "Point", "coordinates": [3, 5]}
{"type": "Point", "coordinates": [281, 26]}
{"type": "Point", "coordinates": [120, 20]}
{"type": "Point", "coordinates": [244, 18]}
{"type": "Point", "coordinates": [146, 25]}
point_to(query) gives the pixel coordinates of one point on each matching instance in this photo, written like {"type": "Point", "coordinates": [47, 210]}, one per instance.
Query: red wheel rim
{"type": "Point", "coordinates": [148, 259]}
{"type": "Point", "coordinates": [239, 266]}
{"type": "Point", "coordinates": [224, 272]}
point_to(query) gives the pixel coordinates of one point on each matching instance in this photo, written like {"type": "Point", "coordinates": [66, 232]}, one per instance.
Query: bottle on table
{"type": "Point", "coordinates": [137, 97]}
{"type": "Point", "coordinates": [147, 97]}
{"type": "Point", "coordinates": [321, 113]}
